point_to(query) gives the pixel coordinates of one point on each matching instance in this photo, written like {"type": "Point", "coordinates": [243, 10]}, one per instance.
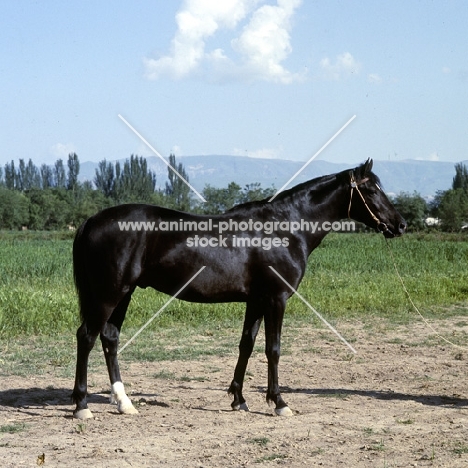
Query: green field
{"type": "Point", "coordinates": [348, 276]}
{"type": "Point", "coordinates": [403, 381]}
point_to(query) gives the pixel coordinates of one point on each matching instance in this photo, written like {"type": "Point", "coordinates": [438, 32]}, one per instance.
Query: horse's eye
{"type": "Point", "coordinates": [374, 189]}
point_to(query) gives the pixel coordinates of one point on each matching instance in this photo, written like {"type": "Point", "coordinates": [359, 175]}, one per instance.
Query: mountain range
{"type": "Point", "coordinates": [423, 177]}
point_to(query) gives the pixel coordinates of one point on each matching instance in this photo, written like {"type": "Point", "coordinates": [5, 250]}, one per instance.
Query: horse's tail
{"type": "Point", "coordinates": [79, 269]}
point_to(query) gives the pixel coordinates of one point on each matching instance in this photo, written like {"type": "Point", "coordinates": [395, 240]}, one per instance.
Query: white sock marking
{"type": "Point", "coordinates": [120, 398]}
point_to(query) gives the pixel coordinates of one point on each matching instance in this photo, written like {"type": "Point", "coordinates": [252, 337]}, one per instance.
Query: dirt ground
{"type": "Point", "coordinates": [402, 401]}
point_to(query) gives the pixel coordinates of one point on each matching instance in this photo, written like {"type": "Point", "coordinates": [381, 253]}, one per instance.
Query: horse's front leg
{"type": "Point", "coordinates": [273, 326]}
{"type": "Point", "coordinates": [252, 321]}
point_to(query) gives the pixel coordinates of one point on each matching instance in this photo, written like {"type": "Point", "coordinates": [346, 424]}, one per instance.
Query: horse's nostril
{"type": "Point", "coordinates": [402, 227]}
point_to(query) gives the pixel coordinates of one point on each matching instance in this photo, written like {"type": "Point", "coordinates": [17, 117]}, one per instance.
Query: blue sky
{"type": "Point", "coordinates": [246, 77]}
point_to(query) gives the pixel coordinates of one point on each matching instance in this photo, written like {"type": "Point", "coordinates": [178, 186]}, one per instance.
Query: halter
{"type": "Point", "coordinates": [355, 185]}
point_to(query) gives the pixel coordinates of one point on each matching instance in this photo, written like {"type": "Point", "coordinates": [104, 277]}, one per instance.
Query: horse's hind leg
{"type": "Point", "coordinates": [252, 321]}
{"type": "Point", "coordinates": [110, 341]}
{"type": "Point", "coordinates": [86, 337]}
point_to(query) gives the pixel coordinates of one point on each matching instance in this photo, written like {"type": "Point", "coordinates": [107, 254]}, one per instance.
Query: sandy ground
{"type": "Point", "coordinates": [401, 401]}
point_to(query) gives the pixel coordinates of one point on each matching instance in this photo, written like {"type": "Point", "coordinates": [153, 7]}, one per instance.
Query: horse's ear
{"type": "Point", "coordinates": [364, 169]}
{"type": "Point", "coordinates": [368, 166]}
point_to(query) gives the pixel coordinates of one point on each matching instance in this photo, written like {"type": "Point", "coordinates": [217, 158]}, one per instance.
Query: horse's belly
{"type": "Point", "coordinates": [199, 285]}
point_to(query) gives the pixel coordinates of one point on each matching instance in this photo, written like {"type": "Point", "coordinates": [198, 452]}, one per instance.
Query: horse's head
{"type": "Point", "coordinates": [368, 203]}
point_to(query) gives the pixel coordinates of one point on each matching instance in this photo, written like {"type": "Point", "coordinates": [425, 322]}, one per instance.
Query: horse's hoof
{"type": "Point", "coordinates": [285, 411]}
{"type": "Point", "coordinates": [120, 398]}
{"type": "Point", "coordinates": [241, 407]}
{"type": "Point", "coordinates": [127, 409]}
{"type": "Point", "coordinates": [83, 414]}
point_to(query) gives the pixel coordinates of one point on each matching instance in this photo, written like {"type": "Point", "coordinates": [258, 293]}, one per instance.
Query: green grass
{"type": "Point", "coordinates": [262, 441]}
{"type": "Point", "coordinates": [348, 276]}
{"type": "Point", "coordinates": [12, 428]}
{"type": "Point", "coordinates": [25, 355]}
{"type": "Point", "coordinates": [460, 448]}
{"type": "Point", "coordinates": [405, 421]}
{"type": "Point", "coordinates": [378, 446]}
{"type": "Point", "coordinates": [37, 295]}
{"type": "Point", "coordinates": [354, 276]}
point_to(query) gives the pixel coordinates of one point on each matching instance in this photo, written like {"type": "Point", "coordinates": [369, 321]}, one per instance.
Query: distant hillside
{"type": "Point", "coordinates": [424, 177]}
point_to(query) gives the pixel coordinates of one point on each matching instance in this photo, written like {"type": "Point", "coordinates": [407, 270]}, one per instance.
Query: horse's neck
{"type": "Point", "coordinates": [321, 202]}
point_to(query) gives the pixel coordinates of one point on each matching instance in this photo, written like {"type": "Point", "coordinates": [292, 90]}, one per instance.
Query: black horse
{"type": "Point", "coordinates": [110, 260]}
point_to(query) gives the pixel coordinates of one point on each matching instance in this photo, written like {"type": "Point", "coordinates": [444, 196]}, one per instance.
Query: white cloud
{"type": "Point", "coordinates": [344, 66]}
{"type": "Point", "coordinates": [61, 150]}
{"type": "Point", "coordinates": [446, 70]}
{"type": "Point", "coordinates": [265, 42]}
{"type": "Point", "coordinates": [374, 78]}
{"type": "Point", "coordinates": [176, 150]}
{"type": "Point", "coordinates": [434, 156]}
{"type": "Point", "coordinates": [261, 47]}
{"type": "Point", "coordinates": [197, 20]}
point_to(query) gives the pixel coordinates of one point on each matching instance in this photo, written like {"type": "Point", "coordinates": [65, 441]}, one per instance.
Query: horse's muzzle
{"type": "Point", "coordinates": [389, 233]}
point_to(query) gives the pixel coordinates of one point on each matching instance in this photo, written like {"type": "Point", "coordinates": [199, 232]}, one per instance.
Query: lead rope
{"type": "Point", "coordinates": [354, 185]}
{"type": "Point", "coordinates": [351, 198]}
{"type": "Point", "coordinates": [414, 306]}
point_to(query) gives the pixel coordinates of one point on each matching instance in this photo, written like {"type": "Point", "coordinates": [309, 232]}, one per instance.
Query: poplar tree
{"type": "Point", "coordinates": [73, 164]}
{"type": "Point", "coordinates": [59, 174]}
{"type": "Point", "coordinates": [104, 180]}
{"type": "Point", "coordinates": [176, 189]}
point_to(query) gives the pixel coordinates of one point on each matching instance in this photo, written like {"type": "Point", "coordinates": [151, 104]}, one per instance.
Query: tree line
{"type": "Point", "coordinates": [50, 197]}
{"type": "Point", "coordinates": [448, 210]}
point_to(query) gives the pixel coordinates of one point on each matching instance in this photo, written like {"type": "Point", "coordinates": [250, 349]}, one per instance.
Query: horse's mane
{"type": "Point", "coordinates": [314, 184]}
{"type": "Point", "coordinates": [308, 185]}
